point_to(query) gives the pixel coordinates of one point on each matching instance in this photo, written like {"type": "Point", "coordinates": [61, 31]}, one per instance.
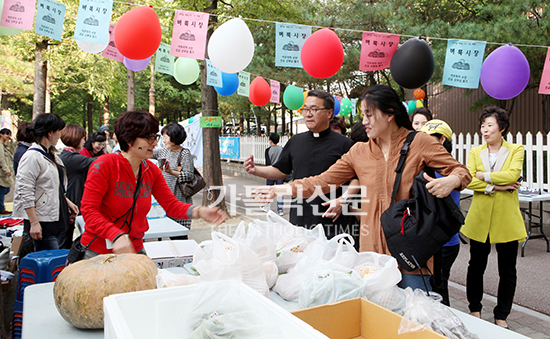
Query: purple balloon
{"type": "Point", "coordinates": [505, 73]}
{"type": "Point", "coordinates": [136, 65]}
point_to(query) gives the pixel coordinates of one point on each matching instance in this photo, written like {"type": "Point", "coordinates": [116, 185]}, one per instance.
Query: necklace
{"type": "Point", "coordinates": [385, 154]}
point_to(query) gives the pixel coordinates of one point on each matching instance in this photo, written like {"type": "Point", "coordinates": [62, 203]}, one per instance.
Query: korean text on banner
{"type": "Point", "coordinates": [377, 50]}
{"type": "Point", "coordinates": [164, 62]}
{"type": "Point", "coordinates": [275, 91]}
{"type": "Point", "coordinates": [544, 87]}
{"type": "Point", "coordinates": [244, 84]}
{"type": "Point", "coordinates": [50, 16]}
{"type": "Point", "coordinates": [288, 44]}
{"type": "Point", "coordinates": [229, 147]}
{"type": "Point", "coordinates": [213, 75]}
{"type": "Point", "coordinates": [93, 21]}
{"type": "Point", "coordinates": [111, 51]}
{"type": "Point", "coordinates": [18, 14]}
{"type": "Point", "coordinates": [463, 63]}
{"type": "Point", "coordinates": [189, 34]}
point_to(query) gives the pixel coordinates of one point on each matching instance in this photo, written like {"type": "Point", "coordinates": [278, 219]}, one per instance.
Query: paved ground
{"type": "Point", "coordinates": [533, 269]}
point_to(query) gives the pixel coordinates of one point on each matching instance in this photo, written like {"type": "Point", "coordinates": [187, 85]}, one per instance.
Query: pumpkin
{"type": "Point", "coordinates": [80, 288]}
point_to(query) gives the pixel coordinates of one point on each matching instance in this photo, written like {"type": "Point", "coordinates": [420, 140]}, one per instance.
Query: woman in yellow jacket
{"type": "Point", "coordinates": [494, 216]}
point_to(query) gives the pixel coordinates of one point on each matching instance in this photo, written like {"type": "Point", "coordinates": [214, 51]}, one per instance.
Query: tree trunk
{"type": "Point", "coordinates": [152, 89]}
{"type": "Point", "coordinates": [106, 111]}
{"type": "Point", "coordinates": [283, 119]}
{"type": "Point", "coordinates": [47, 101]}
{"type": "Point", "coordinates": [40, 74]}
{"type": "Point", "coordinates": [130, 94]}
{"type": "Point", "coordinates": [268, 123]}
{"type": "Point", "coordinates": [241, 123]}
{"type": "Point", "coordinates": [212, 169]}
{"type": "Point", "coordinates": [90, 114]}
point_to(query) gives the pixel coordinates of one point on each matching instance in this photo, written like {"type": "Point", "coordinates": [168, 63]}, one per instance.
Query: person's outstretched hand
{"type": "Point", "coordinates": [334, 210]}
{"type": "Point", "coordinates": [249, 165]}
{"type": "Point", "coordinates": [212, 214]}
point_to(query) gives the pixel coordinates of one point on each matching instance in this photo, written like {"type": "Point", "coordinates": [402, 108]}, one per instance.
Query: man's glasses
{"type": "Point", "coordinates": [312, 110]}
{"type": "Point", "coordinates": [152, 138]}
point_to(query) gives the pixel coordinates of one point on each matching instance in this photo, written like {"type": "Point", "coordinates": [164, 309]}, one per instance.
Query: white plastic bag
{"type": "Point", "coordinates": [329, 282]}
{"type": "Point", "coordinates": [166, 278]}
{"type": "Point", "coordinates": [422, 311]}
{"type": "Point", "coordinates": [271, 273]}
{"type": "Point", "coordinates": [257, 240]}
{"type": "Point", "coordinates": [229, 259]}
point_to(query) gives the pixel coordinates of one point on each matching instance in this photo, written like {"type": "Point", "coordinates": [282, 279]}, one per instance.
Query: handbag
{"type": "Point", "coordinates": [189, 189]}
{"type": "Point", "coordinates": [416, 228]}
{"type": "Point", "coordinates": [77, 251]}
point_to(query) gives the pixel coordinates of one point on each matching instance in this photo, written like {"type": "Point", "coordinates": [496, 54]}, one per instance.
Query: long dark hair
{"type": "Point", "coordinates": [387, 101]}
{"type": "Point", "coordinates": [95, 137]}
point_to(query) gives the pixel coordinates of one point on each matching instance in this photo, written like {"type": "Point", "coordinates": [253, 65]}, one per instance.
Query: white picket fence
{"type": "Point", "coordinates": [536, 165]}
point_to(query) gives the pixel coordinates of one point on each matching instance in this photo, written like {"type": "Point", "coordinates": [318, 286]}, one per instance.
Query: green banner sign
{"type": "Point", "coordinates": [211, 122]}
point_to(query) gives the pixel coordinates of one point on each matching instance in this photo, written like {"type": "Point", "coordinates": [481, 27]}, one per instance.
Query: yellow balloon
{"type": "Point", "coordinates": [419, 104]}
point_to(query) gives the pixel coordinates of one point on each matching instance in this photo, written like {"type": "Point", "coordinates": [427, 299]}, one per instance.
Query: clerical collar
{"type": "Point", "coordinates": [322, 134]}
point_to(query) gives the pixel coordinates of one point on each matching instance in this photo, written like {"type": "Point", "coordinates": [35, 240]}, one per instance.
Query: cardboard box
{"type": "Point", "coordinates": [171, 253]}
{"type": "Point", "coordinates": [161, 313]}
{"type": "Point", "coordinates": [358, 318]}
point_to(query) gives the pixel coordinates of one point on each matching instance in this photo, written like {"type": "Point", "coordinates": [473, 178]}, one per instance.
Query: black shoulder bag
{"type": "Point", "coordinates": [77, 251]}
{"type": "Point", "coordinates": [416, 228]}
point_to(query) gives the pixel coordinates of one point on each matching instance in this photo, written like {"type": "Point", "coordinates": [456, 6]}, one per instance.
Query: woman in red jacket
{"type": "Point", "coordinates": [116, 217]}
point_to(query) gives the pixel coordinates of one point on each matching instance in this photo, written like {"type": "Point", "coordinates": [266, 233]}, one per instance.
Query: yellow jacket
{"type": "Point", "coordinates": [496, 214]}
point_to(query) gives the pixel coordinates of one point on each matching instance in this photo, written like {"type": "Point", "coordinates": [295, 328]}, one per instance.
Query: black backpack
{"type": "Point", "coordinates": [417, 228]}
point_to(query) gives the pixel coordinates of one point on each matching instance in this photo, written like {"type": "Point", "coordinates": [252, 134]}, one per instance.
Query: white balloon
{"type": "Point", "coordinates": [231, 46]}
{"type": "Point", "coordinates": [90, 47]}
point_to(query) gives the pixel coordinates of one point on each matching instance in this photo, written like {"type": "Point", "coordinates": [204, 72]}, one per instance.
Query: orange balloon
{"type": "Point", "coordinates": [419, 94]}
{"type": "Point", "coordinates": [305, 97]}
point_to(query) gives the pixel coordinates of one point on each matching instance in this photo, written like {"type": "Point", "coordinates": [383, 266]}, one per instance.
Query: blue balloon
{"type": "Point", "coordinates": [230, 84]}
{"type": "Point", "coordinates": [336, 106]}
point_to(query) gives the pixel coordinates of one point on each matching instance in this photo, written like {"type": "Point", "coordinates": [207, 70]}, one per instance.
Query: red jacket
{"type": "Point", "coordinates": [109, 193]}
{"type": "Point", "coordinates": [86, 153]}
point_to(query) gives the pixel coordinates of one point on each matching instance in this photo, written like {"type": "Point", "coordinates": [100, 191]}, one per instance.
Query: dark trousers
{"type": "Point", "coordinates": [507, 257]}
{"type": "Point", "coordinates": [448, 257]}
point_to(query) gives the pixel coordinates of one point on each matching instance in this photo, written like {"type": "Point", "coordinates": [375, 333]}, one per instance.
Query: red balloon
{"type": "Point", "coordinates": [260, 92]}
{"type": "Point", "coordinates": [322, 54]}
{"type": "Point", "coordinates": [137, 34]}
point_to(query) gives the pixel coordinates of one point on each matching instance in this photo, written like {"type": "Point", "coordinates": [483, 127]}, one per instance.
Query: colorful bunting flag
{"type": "Point", "coordinates": [213, 75]}
{"type": "Point", "coordinates": [544, 87]}
{"type": "Point", "coordinates": [18, 14]}
{"type": "Point", "coordinates": [377, 50]}
{"type": "Point", "coordinates": [244, 84]}
{"type": "Point", "coordinates": [275, 91]}
{"type": "Point", "coordinates": [463, 63]}
{"type": "Point", "coordinates": [288, 44]}
{"type": "Point", "coordinates": [164, 62]}
{"type": "Point", "coordinates": [111, 51]}
{"type": "Point", "coordinates": [93, 21]}
{"type": "Point", "coordinates": [50, 16]}
{"type": "Point", "coordinates": [189, 34]}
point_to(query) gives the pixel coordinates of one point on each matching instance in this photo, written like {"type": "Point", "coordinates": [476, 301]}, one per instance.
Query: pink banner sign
{"type": "Point", "coordinates": [377, 50]}
{"type": "Point", "coordinates": [189, 34]}
{"type": "Point", "coordinates": [111, 51]}
{"type": "Point", "coordinates": [275, 91]}
{"type": "Point", "coordinates": [18, 14]}
{"type": "Point", "coordinates": [544, 87]}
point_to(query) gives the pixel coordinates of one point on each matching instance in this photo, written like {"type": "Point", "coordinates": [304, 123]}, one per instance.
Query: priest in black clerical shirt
{"type": "Point", "coordinates": [308, 154]}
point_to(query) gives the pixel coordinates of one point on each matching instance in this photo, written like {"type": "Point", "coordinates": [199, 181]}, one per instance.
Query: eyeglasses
{"type": "Point", "coordinates": [312, 110]}
{"type": "Point", "coordinates": [152, 138]}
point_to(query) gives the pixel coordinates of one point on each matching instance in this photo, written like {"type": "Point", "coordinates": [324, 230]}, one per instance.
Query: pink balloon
{"type": "Point", "coordinates": [136, 65]}
{"type": "Point", "coordinates": [505, 73]}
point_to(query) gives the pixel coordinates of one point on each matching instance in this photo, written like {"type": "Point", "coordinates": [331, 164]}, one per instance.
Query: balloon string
{"type": "Point", "coordinates": [334, 28]}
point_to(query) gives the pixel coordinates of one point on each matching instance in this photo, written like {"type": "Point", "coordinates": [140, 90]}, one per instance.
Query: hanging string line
{"type": "Point", "coordinates": [320, 27]}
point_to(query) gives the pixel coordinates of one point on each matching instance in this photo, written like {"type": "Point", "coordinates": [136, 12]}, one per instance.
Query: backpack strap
{"type": "Point", "coordinates": [401, 163]}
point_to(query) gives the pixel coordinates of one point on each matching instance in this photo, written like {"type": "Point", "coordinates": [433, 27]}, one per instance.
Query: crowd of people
{"type": "Point", "coordinates": [108, 179]}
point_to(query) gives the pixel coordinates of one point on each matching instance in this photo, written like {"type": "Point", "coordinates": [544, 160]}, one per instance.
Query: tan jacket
{"type": "Point", "coordinates": [6, 165]}
{"type": "Point", "coordinates": [366, 162]}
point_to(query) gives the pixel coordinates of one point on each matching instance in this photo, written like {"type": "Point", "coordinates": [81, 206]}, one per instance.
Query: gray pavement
{"type": "Point", "coordinates": [530, 316]}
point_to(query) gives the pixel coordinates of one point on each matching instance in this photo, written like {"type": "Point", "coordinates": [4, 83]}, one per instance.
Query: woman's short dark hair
{"type": "Point", "coordinates": [133, 124]}
{"type": "Point", "coordinates": [72, 135]}
{"type": "Point", "coordinates": [5, 131]}
{"type": "Point", "coordinates": [387, 101]}
{"type": "Point", "coordinates": [500, 114]}
{"type": "Point", "coordinates": [358, 133]}
{"type": "Point", "coordinates": [339, 121]}
{"type": "Point", "coordinates": [328, 99]}
{"type": "Point", "coordinates": [424, 111]}
{"type": "Point", "coordinates": [176, 132]}
{"type": "Point", "coordinates": [24, 132]}
{"type": "Point", "coordinates": [95, 137]}
{"type": "Point", "coordinates": [45, 123]}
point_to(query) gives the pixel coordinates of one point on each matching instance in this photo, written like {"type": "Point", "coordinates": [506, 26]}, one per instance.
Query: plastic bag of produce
{"type": "Point", "coordinates": [166, 278]}
{"type": "Point", "coordinates": [422, 311]}
{"type": "Point", "coordinates": [257, 240]}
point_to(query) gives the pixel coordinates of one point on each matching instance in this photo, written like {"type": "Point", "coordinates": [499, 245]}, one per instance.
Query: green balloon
{"type": "Point", "coordinates": [412, 106]}
{"type": "Point", "coordinates": [345, 107]}
{"type": "Point", "coordinates": [186, 71]}
{"type": "Point", "coordinates": [293, 97]}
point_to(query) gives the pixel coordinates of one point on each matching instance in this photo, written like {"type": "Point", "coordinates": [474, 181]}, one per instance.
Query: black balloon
{"type": "Point", "coordinates": [412, 65]}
